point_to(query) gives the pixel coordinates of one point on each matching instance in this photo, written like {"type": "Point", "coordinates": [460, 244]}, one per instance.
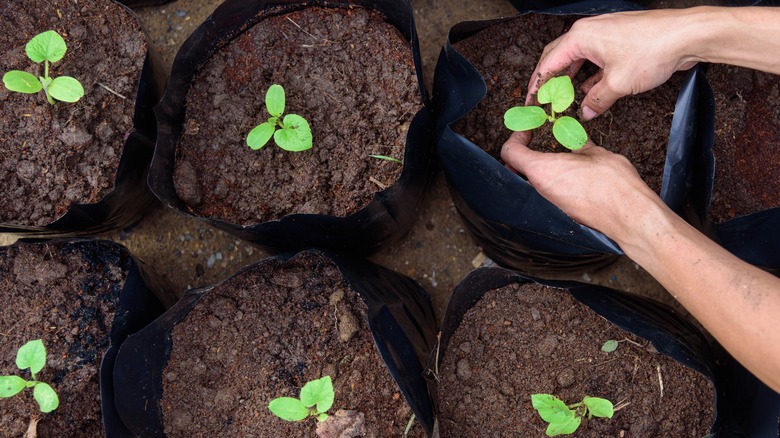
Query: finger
{"type": "Point", "coordinates": [599, 99]}
{"type": "Point", "coordinates": [559, 57]}
{"type": "Point", "coordinates": [591, 81]}
{"type": "Point", "coordinates": [515, 152]}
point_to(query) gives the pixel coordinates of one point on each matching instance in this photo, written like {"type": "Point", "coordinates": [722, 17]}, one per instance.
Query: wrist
{"type": "Point", "coordinates": [643, 226]}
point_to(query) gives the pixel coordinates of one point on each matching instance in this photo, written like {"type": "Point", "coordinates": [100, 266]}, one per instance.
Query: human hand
{"type": "Point", "coordinates": [595, 187]}
{"type": "Point", "coordinates": [636, 51]}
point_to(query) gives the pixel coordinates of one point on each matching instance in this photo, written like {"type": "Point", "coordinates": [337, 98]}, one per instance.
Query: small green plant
{"type": "Point", "coordinates": [31, 355]}
{"type": "Point", "coordinates": [565, 419]}
{"type": "Point", "coordinates": [559, 93]}
{"type": "Point", "coordinates": [316, 398]}
{"type": "Point", "coordinates": [293, 134]}
{"type": "Point", "coordinates": [45, 47]}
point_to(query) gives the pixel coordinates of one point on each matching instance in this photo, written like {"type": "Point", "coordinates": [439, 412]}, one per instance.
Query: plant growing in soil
{"type": "Point", "coordinates": [565, 419]}
{"type": "Point", "coordinates": [293, 133]}
{"type": "Point", "coordinates": [316, 398]}
{"type": "Point", "coordinates": [31, 355]}
{"type": "Point", "coordinates": [559, 93]}
{"type": "Point", "coordinates": [45, 47]}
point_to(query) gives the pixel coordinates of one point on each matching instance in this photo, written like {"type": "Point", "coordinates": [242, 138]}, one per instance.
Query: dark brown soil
{"type": "Point", "coordinates": [264, 334]}
{"type": "Point", "coordinates": [747, 132]}
{"type": "Point", "coordinates": [344, 70]}
{"type": "Point", "coordinates": [52, 156]}
{"type": "Point", "coordinates": [506, 55]}
{"type": "Point", "coordinates": [66, 295]}
{"type": "Point", "coordinates": [523, 340]}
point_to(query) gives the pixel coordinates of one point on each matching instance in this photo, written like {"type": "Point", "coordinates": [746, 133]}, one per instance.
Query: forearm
{"type": "Point", "coordinates": [738, 303]}
{"type": "Point", "coordinates": [746, 37]}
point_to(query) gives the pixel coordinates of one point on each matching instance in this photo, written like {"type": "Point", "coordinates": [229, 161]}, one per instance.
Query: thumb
{"type": "Point", "coordinates": [515, 151]}
{"type": "Point", "coordinates": [599, 99]}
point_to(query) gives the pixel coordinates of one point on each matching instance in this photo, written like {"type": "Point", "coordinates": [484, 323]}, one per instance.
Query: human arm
{"type": "Point", "coordinates": [638, 51]}
{"type": "Point", "coordinates": [738, 303]}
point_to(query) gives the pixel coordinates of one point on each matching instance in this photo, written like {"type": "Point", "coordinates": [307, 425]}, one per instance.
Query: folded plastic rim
{"type": "Point", "coordinates": [745, 407]}
{"type": "Point", "coordinates": [127, 203]}
{"type": "Point", "coordinates": [400, 317]}
{"type": "Point", "coordinates": [390, 214]}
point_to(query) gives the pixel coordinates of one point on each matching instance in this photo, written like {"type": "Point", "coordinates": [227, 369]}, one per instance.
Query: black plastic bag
{"type": "Point", "coordinates": [399, 314]}
{"type": "Point", "coordinates": [389, 215]}
{"type": "Point", "coordinates": [745, 407]}
{"type": "Point", "coordinates": [515, 225]}
{"type": "Point", "coordinates": [127, 203]}
{"type": "Point", "coordinates": [754, 237]}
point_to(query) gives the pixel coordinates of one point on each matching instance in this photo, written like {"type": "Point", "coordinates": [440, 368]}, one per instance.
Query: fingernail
{"type": "Point", "coordinates": [587, 113]}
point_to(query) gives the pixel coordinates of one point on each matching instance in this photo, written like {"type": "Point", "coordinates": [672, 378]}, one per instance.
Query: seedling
{"type": "Point", "coordinates": [31, 355]}
{"type": "Point", "coordinates": [45, 47]}
{"type": "Point", "coordinates": [565, 419]}
{"type": "Point", "coordinates": [559, 93]}
{"type": "Point", "coordinates": [316, 398]}
{"type": "Point", "coordinates": [293, 133]}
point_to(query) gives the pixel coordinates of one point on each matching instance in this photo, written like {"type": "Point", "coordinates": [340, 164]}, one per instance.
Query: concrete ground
{"type": "Point", "coordinates": [437, 253]}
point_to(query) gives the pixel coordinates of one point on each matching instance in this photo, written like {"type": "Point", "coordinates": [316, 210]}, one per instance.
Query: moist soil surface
{"type": "Point", "coordinates": [506, 55]}
{"type": "Point", "coordinates": [52, 156]}
{"type": "Point", "coordinates": [521, 340]}
{"type": "Point", "coordinates": [66, 295]}
{"type": "Point", "coordinates": [265, 333]}
{"type": "Point", "coordinates": [747, 132]}
{"type": "Point", "coordinates": [348, 73]}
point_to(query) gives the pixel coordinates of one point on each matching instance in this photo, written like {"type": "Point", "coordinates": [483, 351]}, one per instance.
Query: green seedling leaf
{"type": "Point", "coordinates": [288, 408]}
{"type": "Point", "coordinates": [550, 408]}
{"type": "Point", "coordinates": [318, 392]}
{"type": "Point", "coordinates": [322, 417]}
{"type": "Point", "coordinates": [296, 134]}
{"type": "Point", "coordinates": [564, 427]}
{"type": "Point", "coordinates": [570, 133]}
{"type": "Point", "coordinates": [274, 100]}
{"type": "Point", "coordinates": [46, 46]}
{"type": "Point", "coordinates": [31, 355]}
{"type": "Point", "coordinates": [22, 82]}
{"type": "Point", "coordinates": [260, 135]}
{"type": "Point", "coordinates": [46, 397]}
{"type": "Point", "coordinates": [565, 419]}
{"type": "Point", "coordinates": [557, 91]}
{"type": "Point", "coordinates": [523, 118]}
{"type": "Point", "coordinates": [66, 89]}
{"type": "Point", "coordinates": [599, 407]}
{"type": "Point", "coordinates": [11, 385]}
{"type": "Point", "coordinates": [610, 346]}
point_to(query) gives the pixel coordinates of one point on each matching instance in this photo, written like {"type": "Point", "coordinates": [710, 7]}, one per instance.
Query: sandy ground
{"type": "Point", "coordinates": [437, 253]}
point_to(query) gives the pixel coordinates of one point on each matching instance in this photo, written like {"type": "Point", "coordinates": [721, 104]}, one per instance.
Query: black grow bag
{"type": "Point", "coordinates": [138, 304]}
{"type": "Point", "coordinates": [745, 407]}
{"type": "Point", "coordinates": [399, 314]}
{"type": "Point", "coordinates": [507, 217]}
{"type": "Point", "coordinates": [754, 237]}
{"type": "Point", "coordinates": [127, 203]}
{"type": "Point", "coordinates": [390, 214]}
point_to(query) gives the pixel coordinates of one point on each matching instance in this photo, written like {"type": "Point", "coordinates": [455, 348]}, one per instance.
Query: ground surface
{"type": "Point", "coordinates": [437, 253]}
